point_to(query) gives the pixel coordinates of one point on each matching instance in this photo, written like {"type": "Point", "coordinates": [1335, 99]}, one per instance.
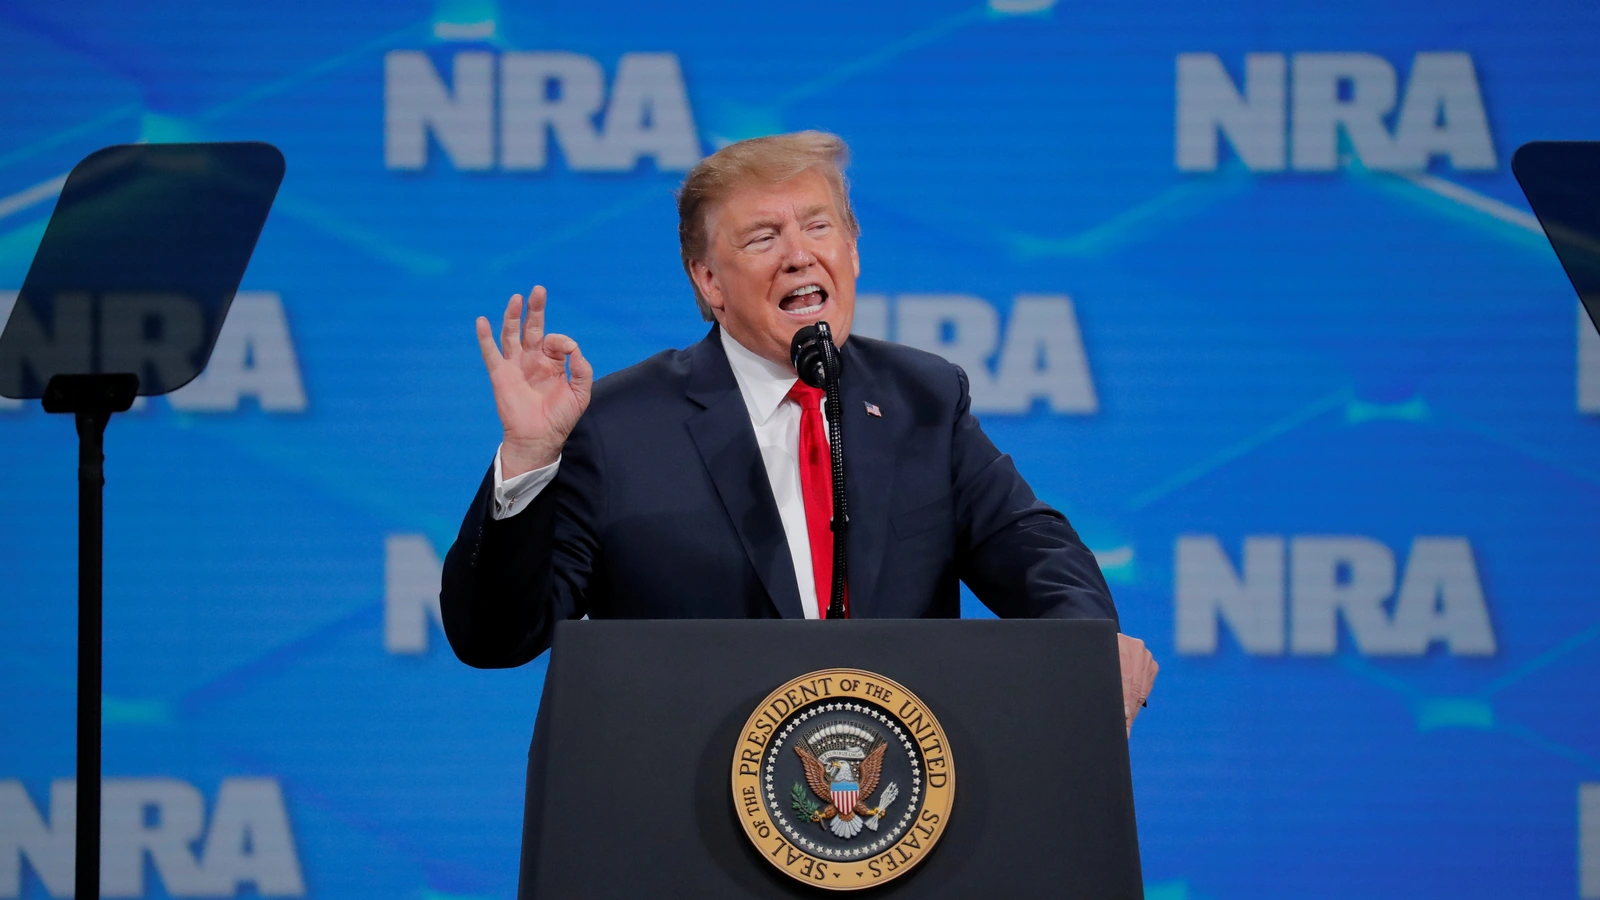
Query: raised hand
{"type": "Point", "coordinates": [539, 404]}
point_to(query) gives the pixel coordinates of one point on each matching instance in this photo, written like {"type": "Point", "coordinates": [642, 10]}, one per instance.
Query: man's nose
{"type": "Point", "coordinates": [796, 256]}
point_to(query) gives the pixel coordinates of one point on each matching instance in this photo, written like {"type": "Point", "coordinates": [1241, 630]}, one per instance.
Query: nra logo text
{"type": "Point", "coordinates": [1293, 111]}
{"type": "Point", "coordinates": [1292, 594]}
{"type": "Point", "coordinates": [510, 110]}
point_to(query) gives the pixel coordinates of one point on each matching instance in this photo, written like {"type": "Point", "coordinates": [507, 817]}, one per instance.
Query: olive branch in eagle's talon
{"type": "Point", "coordinates": [801, 800]}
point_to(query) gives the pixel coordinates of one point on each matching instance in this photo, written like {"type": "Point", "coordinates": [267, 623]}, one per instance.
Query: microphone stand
{"type": "Point", "coordinates": [833, 411]}
{"type": "Point", "coordinates": [816, 360]}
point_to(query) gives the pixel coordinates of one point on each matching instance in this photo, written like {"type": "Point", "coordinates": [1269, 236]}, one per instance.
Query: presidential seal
{"type": "Point", "coordinates": [843, 779]}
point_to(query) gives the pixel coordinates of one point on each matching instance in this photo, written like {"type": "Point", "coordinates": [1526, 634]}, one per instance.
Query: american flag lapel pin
{"type": "Point", "coordinates": [873, 410]}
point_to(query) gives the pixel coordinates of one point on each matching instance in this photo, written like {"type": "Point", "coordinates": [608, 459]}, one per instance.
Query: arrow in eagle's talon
{"type": "Point", "coordinates": [888, 796]}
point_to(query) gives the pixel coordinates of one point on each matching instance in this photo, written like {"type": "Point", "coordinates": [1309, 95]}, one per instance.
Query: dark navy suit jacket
{"type": "Point", "coordinates": [662, 509]}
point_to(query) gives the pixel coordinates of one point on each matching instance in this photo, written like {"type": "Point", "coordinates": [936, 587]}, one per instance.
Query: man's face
{"type": "Point", "coordinates": [779, 257]}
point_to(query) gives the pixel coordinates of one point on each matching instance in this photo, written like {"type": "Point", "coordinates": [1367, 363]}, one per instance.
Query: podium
{"type": "Point", "coordinates": [641, 723]}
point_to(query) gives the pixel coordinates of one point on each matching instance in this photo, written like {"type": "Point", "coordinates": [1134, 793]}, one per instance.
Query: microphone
{"type": "Point", "coordinates": [817, 362]}
{"type": "Point", "coordinates": [806, 353]}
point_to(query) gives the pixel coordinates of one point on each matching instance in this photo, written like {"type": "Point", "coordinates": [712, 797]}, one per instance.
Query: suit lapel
{"type": "Point", "coordinates": [869, 467]}
{"type": "Point", "coordinates": [727, 443]}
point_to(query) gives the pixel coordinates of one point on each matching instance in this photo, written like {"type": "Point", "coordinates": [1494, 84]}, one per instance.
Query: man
{"type": "Point", "coordinates": [693, 484]}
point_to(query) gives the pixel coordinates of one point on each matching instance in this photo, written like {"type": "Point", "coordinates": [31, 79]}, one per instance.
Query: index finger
{"type": "Point", "coordinates": [533, 323]}
{"type": "Point", "coordinates": [510, 325]}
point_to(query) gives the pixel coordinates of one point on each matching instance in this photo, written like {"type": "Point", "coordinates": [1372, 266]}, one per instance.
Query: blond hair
{"type": "Point", "coordinates": [768, 160]}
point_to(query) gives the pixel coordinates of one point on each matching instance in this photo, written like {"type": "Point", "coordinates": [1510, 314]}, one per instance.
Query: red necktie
{"type": "Point", "coordinates": [816, 489]}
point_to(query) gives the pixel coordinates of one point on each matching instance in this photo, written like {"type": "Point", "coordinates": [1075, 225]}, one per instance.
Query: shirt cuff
{"type": "Point", "coordinates": [512, 495]}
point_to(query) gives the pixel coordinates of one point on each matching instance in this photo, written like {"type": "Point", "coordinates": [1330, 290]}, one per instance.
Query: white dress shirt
{"type": "Point", "coordinates": [776, 419]}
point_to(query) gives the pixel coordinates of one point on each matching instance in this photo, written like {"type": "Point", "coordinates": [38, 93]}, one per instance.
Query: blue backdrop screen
{"type": "Point", "coordinates": [1247, 289]}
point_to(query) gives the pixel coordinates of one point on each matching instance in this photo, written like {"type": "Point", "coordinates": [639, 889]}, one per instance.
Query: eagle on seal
{"type": "Point", "coordinates": [837, 781]}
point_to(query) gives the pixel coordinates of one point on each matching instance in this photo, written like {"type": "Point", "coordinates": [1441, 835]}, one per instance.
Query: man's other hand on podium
{"type": "Point", "coordinates": [1139, 670]}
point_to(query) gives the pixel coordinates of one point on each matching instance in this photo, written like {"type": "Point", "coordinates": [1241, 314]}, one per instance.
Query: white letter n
{"type": "Point", "coordinates": [24, 834]}
{"type": "Point", "coordinates": [415, 100]}
{"type": "Point", "coordinates": [410, 592]}
{"type": "Point", "coordinates": [1209, 590]}
{"type": "Point", "coordinates": [1209, 106]}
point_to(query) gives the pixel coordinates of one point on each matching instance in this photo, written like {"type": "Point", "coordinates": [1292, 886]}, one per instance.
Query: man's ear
{"type": "Point", "coordinates": [855, 256]}
{"type": "Point", "coordinates": [706, 281]}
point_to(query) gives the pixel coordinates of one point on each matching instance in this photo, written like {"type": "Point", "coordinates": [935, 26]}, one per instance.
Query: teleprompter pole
{"type": "Point", "coordinates": [91, 509]}
{"type": "Point", "coordinates": [91, 399]}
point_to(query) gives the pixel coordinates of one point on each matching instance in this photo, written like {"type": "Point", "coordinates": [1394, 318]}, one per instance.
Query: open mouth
{"type": "Point", "coordinates": [804, 301]}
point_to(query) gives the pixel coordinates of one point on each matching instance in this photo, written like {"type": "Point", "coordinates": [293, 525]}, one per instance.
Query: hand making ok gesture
{"type": "Point", "coordinates": [539, 404]}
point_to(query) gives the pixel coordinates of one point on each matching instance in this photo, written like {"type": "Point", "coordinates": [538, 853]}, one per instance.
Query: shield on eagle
{"type": "Point", "coordinates": [844, 794]}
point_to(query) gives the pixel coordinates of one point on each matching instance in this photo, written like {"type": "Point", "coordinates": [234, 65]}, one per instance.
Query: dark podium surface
{"type": "Point", "coordinates": [628, 777]}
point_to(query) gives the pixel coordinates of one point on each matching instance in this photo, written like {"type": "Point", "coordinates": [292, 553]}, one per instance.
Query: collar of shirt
{"type": "Point", "coordinates": [763, 383]}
